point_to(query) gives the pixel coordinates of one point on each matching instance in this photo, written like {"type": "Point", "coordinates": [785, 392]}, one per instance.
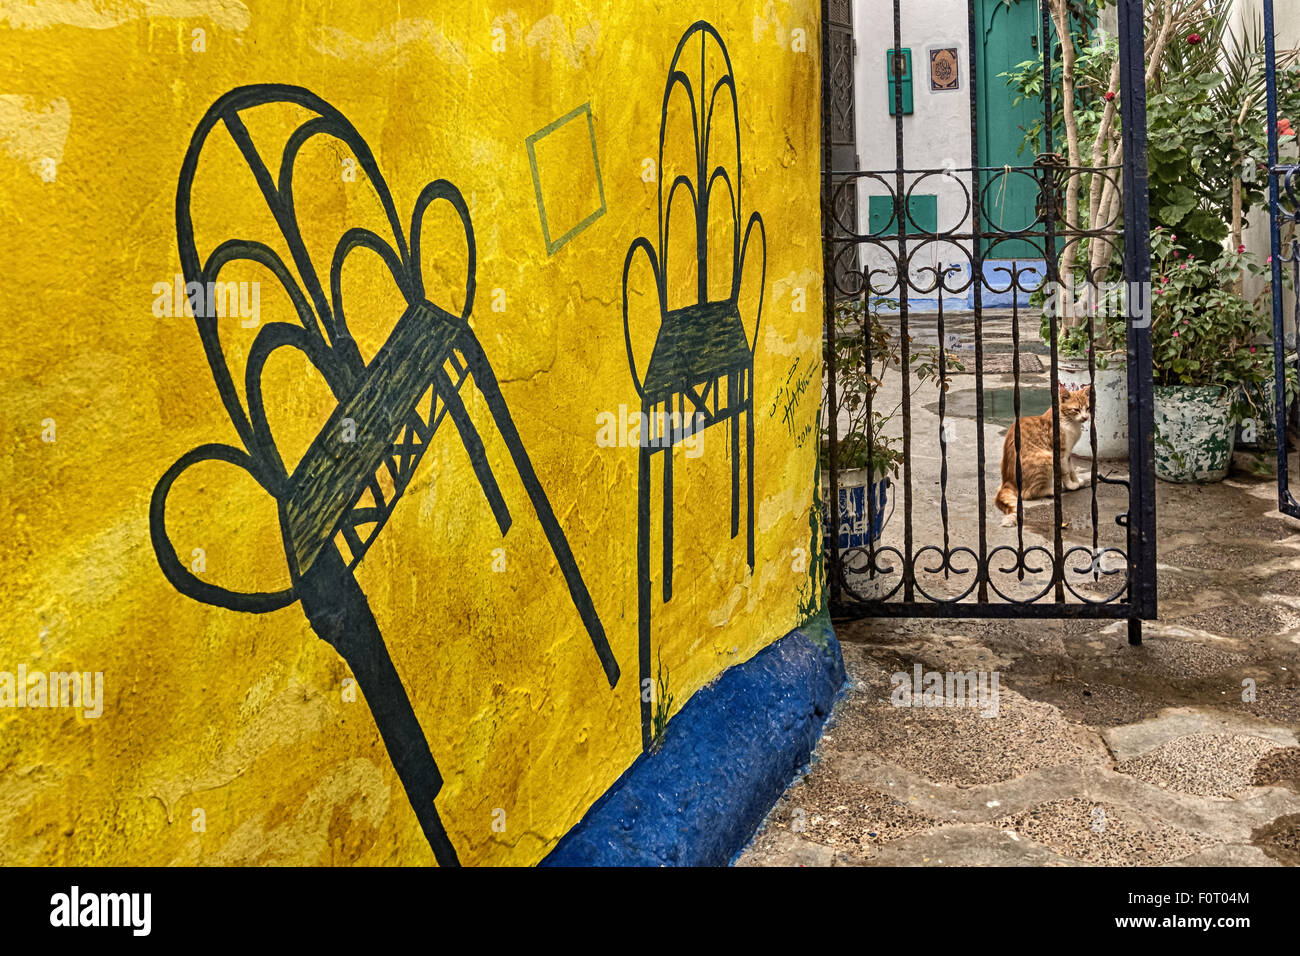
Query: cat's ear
{"type": "Point", "coordinates": [1065, 391]}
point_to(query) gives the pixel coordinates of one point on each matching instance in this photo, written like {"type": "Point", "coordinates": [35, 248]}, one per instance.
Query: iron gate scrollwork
{"type": "Point", "coordinates": [941, 319]}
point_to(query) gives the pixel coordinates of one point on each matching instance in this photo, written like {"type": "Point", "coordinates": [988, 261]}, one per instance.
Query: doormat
{"type": "Point", "coordinates": [1000, 363]}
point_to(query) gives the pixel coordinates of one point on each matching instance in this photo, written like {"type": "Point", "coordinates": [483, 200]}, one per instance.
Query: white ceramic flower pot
{"type": "Point", "coordinates": [1111, 421]}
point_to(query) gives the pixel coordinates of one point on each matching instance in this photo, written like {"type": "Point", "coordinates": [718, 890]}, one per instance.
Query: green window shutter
{"type": "Point", "coordinates": [899, 69]}
{"type": "Point", "coordinates": [923, 212]}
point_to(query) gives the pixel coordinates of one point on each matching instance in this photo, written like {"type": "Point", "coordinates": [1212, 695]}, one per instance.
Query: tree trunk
{"type": "Point", "coordinates": [1060, 13]}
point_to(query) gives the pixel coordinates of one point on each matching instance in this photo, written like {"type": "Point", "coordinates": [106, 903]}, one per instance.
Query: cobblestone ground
{"type": "Point", "coordinates": [1100, 753]}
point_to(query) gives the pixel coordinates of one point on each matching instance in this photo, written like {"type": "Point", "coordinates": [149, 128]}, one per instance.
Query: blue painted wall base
{"type": "Point", "coordinates": [726, 758]}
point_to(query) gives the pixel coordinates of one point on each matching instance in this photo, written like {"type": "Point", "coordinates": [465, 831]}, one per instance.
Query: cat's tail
{"type": "Point", "coordinates": [1006, 499]}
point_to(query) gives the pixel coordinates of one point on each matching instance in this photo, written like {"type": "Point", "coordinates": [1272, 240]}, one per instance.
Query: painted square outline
{"type": "Point", "coordinates": [554, 246]}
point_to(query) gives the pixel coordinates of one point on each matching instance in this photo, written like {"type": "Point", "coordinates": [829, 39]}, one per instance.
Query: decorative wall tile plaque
{"type": "Point", "coordinates": [944, 74]}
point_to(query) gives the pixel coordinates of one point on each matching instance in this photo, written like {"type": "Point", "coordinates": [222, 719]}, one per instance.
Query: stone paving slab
{"type": "Point", "coordinates": [968, 846]}
{"type": "Point", "coordinates": [1133, 740]}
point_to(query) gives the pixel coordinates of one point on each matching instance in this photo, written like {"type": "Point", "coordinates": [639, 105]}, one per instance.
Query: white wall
{"type": "Point", "coordinates": [939, 130]}
{"type": "Point", "coordinates": [937, 135]}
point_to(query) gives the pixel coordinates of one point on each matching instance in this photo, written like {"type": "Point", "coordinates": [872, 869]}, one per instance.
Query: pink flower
{"type": "Point", "coordinates": [1252, 350]}
{"type": "Point", "coordinates": [1110, 95]}
{"type": "Point", "coordinates": [1268, 261]}
{"type": "Point", "coordinates": [1175, 335]}
{"type": "Point", "coordinates": [1241, 250]}
{"type": "Point", "coordinates": [1194, 38]}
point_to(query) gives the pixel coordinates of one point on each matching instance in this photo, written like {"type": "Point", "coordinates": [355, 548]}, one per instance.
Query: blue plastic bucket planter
{"type": "Point", "coordinates": [858, 527]}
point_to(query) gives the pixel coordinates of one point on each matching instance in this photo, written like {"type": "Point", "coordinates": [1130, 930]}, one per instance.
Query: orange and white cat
{"type": "Point", "coordinates": [1036, 453]}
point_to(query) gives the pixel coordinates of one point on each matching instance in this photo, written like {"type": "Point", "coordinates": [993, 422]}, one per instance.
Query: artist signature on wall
{"type": "Point", "coordinates": [788, 399]}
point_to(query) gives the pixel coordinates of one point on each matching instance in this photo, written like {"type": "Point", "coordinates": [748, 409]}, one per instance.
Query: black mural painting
{"type": "Point", "coordinates": [701, 368]}
{"type": "Point", "coordinates": [377, 425]}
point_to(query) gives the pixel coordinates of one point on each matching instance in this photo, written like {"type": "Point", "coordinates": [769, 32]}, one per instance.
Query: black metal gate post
{"type": "Point", "coordinates": [1280, 178]}
{"type": "Point", "coordinates": [1138, 299]}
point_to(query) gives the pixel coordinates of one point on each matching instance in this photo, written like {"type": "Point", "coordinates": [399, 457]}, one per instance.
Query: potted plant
{"type": "Point", "coordinates": [866, 456]}
{"type": "Point", "coordinates": [1212, 345]}
{"type": "Point", "coordinates": [1207, 356]}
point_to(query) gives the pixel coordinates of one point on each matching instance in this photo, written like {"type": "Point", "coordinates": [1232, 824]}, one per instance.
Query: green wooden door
{"type": "Point", "coordinates": [1009, 30]}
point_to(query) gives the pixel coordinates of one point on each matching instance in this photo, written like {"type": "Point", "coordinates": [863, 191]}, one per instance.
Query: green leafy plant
{"type": "Point", "coordinates": [1109, 332]}
{"type": "Point", "coordinates": [1203, 331]}
{"type": "Point", "coordinates": [1207, 122]}
{"type": "Point", "coordinates": [858, 330]}
{"type": "Point", "coordinates": [1209, 126]}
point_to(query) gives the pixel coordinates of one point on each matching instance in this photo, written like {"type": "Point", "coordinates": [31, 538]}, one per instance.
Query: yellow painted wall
{"type": "Point", "coordinates": [244, 716]}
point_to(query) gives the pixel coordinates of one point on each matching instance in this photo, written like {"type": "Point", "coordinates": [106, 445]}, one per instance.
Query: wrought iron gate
{"type": "Point", "coordinates": [1284, 216]}
{"type": "Point", "coordinates": [932, 343]}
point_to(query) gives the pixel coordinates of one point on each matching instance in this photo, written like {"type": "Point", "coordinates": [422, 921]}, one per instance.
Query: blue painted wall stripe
{"type": "Point", "coordinates": [726, 758]}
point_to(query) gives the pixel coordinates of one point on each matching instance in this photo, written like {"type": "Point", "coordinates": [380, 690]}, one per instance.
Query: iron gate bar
{"type": "Point", "coordinates": [902, 216]}
{"type": "Point", "coordinates": [977, 296]}
{"type": "Point", "coordinates": [1048, 203]}
{"type": "Point", "coordinates": [1135, 599]}
{"type": "Point", "coordinates": [1137, 267]}
{"type": "Point", "coordinates": [1279, 176]}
